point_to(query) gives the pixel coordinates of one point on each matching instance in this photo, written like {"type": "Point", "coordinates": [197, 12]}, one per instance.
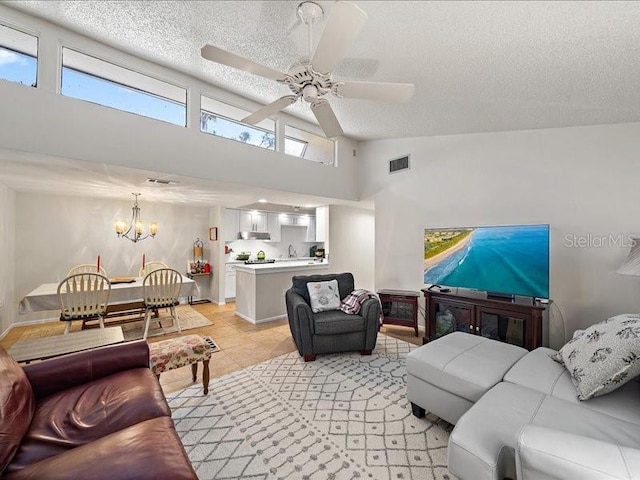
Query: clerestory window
{"type": "Point", "coordinates": [18, 56]}
{"type": "Point", "coordinates": [94, 80]}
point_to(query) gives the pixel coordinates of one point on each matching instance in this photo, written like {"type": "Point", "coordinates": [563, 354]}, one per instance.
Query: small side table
{"type": "Point", "coordinates": [400, 307]}
{"type": "Point", "coordinates": [190, 297]}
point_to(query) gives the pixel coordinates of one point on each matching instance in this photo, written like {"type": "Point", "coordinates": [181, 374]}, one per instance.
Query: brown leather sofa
{"type": "Point", "coordinates": [98, 414]}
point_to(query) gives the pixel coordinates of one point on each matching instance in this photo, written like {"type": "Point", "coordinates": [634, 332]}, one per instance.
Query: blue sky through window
{"type": "Point", "coordinates": [17, 67]}
{"type": "Point", "coordinates": [104, 92]}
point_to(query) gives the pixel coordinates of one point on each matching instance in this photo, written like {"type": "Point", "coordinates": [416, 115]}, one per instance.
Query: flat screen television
{"type": "Point", "coordinates": [509, 260]}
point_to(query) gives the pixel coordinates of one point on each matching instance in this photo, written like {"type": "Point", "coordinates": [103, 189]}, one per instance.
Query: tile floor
{"type": "Point", "coordinates": [241, 343]}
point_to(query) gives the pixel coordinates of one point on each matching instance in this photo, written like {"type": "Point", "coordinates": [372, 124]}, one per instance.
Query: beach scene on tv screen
{"type": "Point", "coordinates": [506, 259]}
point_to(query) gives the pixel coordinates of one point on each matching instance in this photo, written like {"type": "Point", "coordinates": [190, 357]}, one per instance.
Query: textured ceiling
{"type": "Point", "coordinates": [477, 66]}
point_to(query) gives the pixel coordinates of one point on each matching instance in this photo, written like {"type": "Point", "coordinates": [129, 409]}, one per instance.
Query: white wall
{"type": "Point", "coordinates": [44, 122]}
{"type": "Point", "coordinates": [351, 244]}
{"type": "Point", "coordinates": [7, 263]}
{"type": "Point", "coordinates": [54, 233]}
{"type": "Point", "coordinates": [216, 250]}
{"type": "Point", "coordinates": [582, 181]}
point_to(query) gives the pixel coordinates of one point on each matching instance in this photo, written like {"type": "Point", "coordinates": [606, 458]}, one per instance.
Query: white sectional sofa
{"type": "Point", "coordinates": [530, 425]}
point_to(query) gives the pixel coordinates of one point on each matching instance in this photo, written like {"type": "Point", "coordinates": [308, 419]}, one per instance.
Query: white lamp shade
{"type": "Point", "coordinates": [631, 266]}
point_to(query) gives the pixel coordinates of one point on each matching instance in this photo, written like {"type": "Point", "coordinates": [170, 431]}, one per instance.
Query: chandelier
{"type": "Point", "coordinates": [135, 231]}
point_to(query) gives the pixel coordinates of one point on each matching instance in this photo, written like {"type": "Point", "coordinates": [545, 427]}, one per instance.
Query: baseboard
{"type": "Point", "coordinates": [28, 322]}
{"type": "Point", "coordinates": [262, 320]}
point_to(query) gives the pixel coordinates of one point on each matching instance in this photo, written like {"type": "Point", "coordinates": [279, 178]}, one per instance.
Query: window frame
{"type": "Point", "coordinates": [28, 32]}
{"type": "Point", "coordinates": [265, 130]}
{"type": "Point", "coordinates": [119, 65]}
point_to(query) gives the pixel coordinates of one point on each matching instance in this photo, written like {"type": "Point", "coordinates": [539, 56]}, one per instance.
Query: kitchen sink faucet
{"type": "Point", "coordinates": [292, 252]}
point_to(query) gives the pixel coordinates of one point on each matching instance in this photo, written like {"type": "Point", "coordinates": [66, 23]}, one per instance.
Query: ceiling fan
{"type": "Point", "coordinates": [311, 79]}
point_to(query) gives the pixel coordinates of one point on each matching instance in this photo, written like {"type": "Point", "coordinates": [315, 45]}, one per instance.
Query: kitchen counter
{"type": "Point", "coordinates": [260, 288]}
{"type": "Point", "coordinates": [286, 266]}
{"type": "Point", "coordinates": [278, 260]}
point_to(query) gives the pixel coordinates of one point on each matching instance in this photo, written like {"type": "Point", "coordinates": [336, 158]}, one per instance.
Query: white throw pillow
{"type": "Point", "coordinates": [604, 357]}
{"type": "Point", "coordinates": [324, 296]}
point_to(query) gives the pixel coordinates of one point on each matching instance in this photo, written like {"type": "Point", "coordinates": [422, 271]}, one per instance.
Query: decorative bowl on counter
{"type": "Point", "coordinates": [243, 256]}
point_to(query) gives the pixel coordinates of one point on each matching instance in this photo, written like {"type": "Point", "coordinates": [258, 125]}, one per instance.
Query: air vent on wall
{"type": "Point", "coordinates": [399, 164]}
{"type": "Point", "coordinates": [160, 181]}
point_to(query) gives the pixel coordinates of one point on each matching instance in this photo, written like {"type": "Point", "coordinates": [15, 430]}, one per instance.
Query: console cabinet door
{"type": "Point", "coordinates": [450, 317]}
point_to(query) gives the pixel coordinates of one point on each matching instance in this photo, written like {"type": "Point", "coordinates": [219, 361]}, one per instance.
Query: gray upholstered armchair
{"type": "Point", "coordinates": [331, 331]}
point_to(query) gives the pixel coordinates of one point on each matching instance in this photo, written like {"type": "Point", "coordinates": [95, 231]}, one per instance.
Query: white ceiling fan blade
{"type": "Point", "coordinates": [383, 92]}
{"type": "Point", "coordinates": [218, 55]}
{"type": "Point", "coordinates": [345, 21]}
{"type": "Point", "coordinates": [268, 110]}
{"type": "Point", "coordinates": [326, 118]}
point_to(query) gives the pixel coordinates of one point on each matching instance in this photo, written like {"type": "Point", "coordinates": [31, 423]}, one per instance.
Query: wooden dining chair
{"type": "Point", "coordinates": [161, 289]}
{"type": "Point", "coordinates": [83, 296]}
{"type": "Point", "coordinates": [86, 268]}
{"type": "Point", "coordinates": [150, 267]}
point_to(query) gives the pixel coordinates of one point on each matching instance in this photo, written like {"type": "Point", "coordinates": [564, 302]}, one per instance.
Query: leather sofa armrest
{"type": "Point", "coordinates": [544, 453]}
{"type": "Point", "coordinates": [61, 373]}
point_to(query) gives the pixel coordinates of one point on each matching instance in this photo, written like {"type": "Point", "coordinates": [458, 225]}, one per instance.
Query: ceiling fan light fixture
{"type": "Point", "coordinates": [310, 93]}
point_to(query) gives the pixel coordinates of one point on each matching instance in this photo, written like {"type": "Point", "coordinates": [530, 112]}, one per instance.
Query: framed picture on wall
{"type": "Point", "coordinates": [213, 233]}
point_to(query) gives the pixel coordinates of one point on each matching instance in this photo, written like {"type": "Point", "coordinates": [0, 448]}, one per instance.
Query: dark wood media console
{"type": "Point", "coordinates": [519, 323]}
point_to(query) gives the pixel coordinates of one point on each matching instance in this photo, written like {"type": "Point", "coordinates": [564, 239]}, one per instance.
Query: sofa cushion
{"type": "Point", "coordinates": [482, 445]}
{"type": "Point", "coordinates": [463, 364]}
{"type": "Point", "coordinates": [87, 412]}
{"type": "Point", "coordinates": [604, 357]}
{"type": "Point", "coordinates": [17, 405]}
{"type": "Point", "coordinates": [345, 283]}
{"type": "Point", "coordinates": [336, 321]}
{"type": "Point", "coordinates": [538, 371]}
{"type": "Point", "coordinates": [151, 449]}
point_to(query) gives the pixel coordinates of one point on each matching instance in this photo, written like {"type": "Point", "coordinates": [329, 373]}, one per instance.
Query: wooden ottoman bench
{"type": "Point", "coordinates": [180, 352]}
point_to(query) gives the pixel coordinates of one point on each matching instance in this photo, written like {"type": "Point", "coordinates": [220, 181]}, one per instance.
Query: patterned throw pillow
{"type": "Point", "coordinates": [604, 357]}
{"type": "Point", "coordinates": [324, 296]}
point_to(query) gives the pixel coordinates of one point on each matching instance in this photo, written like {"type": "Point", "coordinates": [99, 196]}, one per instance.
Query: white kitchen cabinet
{"type": "Point", "coordinates": [230, 281]}
{"type": "Point", "coordinates": [293, 219]}
{"type": "Point", "coordinates": [322, 224]}
{"type": "Point", "coordinates": [231, 224]}
{"type": "Point", "coordinates": [275, 232]}
{"type": "Point", "coordinates": [311, 230]}
{"type": "Point", "coordinates": [253, 221]}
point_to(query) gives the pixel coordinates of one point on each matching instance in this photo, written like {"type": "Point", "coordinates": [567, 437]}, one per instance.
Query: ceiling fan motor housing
{"type": "Point", "coordinates": [306, 83]}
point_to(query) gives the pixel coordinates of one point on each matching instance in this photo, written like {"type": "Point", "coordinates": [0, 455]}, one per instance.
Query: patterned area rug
{"type": "Point", "coordinates": [343, 416]}
{"type": "Point", "coordinates": [189, 318]}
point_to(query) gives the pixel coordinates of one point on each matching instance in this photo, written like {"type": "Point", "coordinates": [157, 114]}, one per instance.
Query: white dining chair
{"type": "Point", "coordinates": [83, 296]}
{"type": "Point", "coordinates": [86, 268]}
{"type": "Point", "coordinates": [161, 289]}
{"type": "Point", "coordinates": [150, 267]}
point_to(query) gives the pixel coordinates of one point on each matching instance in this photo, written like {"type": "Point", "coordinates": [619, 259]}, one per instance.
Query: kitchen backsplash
{"type": "Point", "coordinates": [294, 236]}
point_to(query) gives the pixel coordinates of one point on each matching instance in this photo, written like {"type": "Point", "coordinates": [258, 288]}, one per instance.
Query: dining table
{"type": "Point", "coordinates": [45, 297]}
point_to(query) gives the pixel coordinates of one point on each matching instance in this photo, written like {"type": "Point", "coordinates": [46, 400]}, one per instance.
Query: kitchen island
{"type": "Point", "coordinates": [260, 288]}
